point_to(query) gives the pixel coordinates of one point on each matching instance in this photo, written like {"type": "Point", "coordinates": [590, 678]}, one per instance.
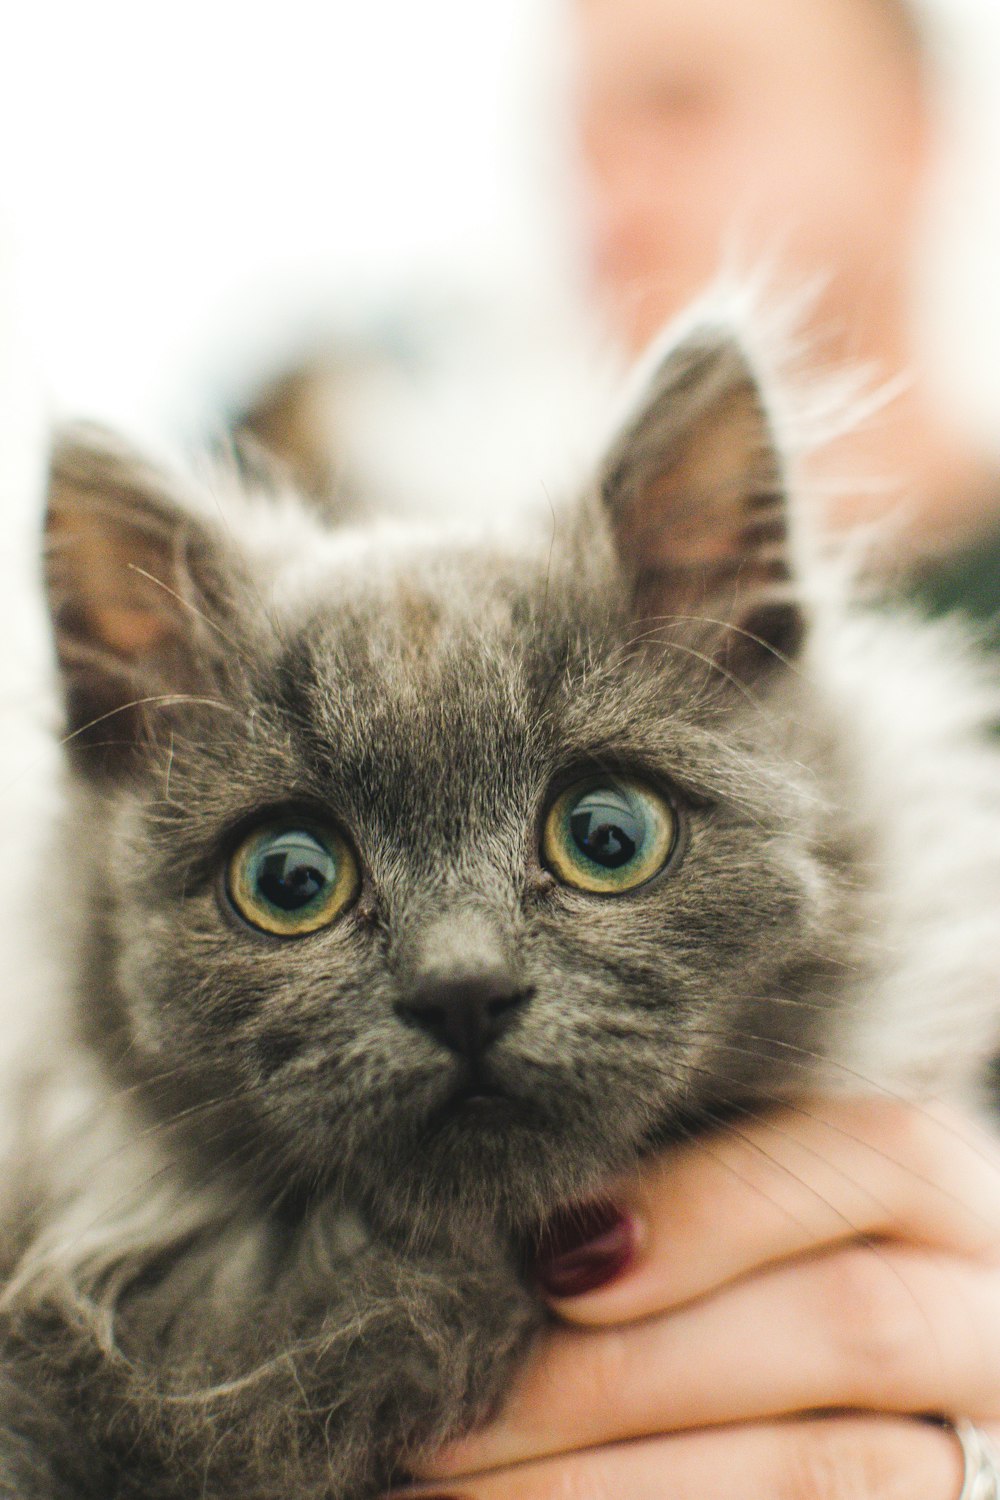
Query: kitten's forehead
{"type": "Point", "coordinates": [418, 574]}
{"type": "Point", "coordinates": [404, 627]}
{"type": "Point", "coordinates": [432, 676]}
{"type": "Point", "coordinates": [395, 634]}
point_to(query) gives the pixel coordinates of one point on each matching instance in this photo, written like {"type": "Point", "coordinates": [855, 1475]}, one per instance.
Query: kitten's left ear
{"type": "Point", "coordinates": [695, 493]}
{"type": "Point", "coordinates": [134, 581]}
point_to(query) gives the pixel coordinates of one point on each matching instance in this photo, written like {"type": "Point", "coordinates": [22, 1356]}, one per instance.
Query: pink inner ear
{"type": "Point", "coordinates": [696, 495]}
{"type": "Point", "coordinates": [694, 534]}
{"type": "Point", "coordinates": [702, 500]}
{"type": "Point", "coordinates": [107, 565]}
{"type": "Point", "coordinates": [132, 632]}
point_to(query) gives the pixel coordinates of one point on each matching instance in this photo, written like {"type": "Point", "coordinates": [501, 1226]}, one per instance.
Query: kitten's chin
{"type": "Point", "coordinates": [485, 1158]}
{"type": "Point", "coordinates": [481, 1108]}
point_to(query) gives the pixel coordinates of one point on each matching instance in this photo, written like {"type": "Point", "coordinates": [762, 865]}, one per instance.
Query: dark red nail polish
{"type": "Point", "coordinates": [584, 1247]}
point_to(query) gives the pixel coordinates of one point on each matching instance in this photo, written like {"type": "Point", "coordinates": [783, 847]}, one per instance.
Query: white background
{"type": "Point", "coordinates": [204, 175]}
{"type": "Point", "coordinates": [188, 190]}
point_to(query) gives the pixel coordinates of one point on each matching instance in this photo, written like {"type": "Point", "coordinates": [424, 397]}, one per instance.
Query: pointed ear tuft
{"type": "Point", "coordinates": [129, 573]}
{"type": "Point", "coordinates": [694, 488]}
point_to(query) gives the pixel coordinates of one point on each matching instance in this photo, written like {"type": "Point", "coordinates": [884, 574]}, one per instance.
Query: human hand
{"type": "Point", "coordinates": [767, 1312]}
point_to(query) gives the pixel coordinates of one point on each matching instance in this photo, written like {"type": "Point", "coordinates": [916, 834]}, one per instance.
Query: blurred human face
{"type": "Point", "coordinates": [784, 130]}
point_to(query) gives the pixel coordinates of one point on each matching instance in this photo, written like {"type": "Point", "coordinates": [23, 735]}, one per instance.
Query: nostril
{"type": "Point", "coordinates": [432, 1018]}
{"type": "Point", "coordinates": [467, 1014]}
{"type": "Point", "coordinates": [502, 1005]}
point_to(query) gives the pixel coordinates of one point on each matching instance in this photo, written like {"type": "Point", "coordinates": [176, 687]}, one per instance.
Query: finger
{"type": "Point", "coordinates": [785, 1185]}
{"type": "Point", "coordinates": [837, 1458]}
{"type": "Point", "coordinates": [886, 1329]}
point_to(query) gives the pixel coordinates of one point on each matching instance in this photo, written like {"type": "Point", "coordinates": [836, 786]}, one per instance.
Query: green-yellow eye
{"type": "Point", "coordinates": [608, 835]}
{"type": "Point", "coordinates": [291, 879]}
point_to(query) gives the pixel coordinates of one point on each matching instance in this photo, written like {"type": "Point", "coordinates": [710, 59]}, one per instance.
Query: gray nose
{"type": "Point", "coordinates": [465, 1012]}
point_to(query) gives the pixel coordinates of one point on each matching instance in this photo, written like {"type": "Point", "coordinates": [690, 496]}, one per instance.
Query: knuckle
{"type": "Point", "coordinates": [579, 1479]}
{"type": "Point", "coordinates": [925, 1144]}
{"type": "Point", "coordinates": [942, 1174]}
{"type": "Point", "coordinates": [850, 1460]}
{"type": "Point", "coordinates": [879, 1328]}
{"type": "Point", "coordinates": [903, 1134]}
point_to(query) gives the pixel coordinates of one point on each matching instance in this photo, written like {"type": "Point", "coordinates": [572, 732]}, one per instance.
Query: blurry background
{"type": "Point", "coordinates": [179, 174]}
{"type": "Point", "coordinates": [196, 197]}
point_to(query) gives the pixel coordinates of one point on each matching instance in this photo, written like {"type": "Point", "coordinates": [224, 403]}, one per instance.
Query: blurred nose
{"type": "Point", "coordinates": [466, 1013]}
{"type": "Point", "coordinates": [462, 990]}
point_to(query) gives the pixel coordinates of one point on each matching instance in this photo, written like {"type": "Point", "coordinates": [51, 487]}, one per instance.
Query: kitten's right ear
{"type": "Point", "coordinates": [694, 489]}
{"type": "Point", "coordinates": [133, 580]}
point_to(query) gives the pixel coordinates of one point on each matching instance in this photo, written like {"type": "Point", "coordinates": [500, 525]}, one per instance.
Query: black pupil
{"type": "Point", "coordinates": [293, 873]}
{"type": "Point", "coordinates": [607, 828]}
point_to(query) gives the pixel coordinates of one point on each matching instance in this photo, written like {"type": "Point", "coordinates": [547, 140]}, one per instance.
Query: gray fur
{"type": "Point", "coordinates": [257, 1255]}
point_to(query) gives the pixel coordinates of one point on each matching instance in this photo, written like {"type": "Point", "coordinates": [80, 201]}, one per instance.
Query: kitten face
{"type": "Point", "coordinates": [420, 710]}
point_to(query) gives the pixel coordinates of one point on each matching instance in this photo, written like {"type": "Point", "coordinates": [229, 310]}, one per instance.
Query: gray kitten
{"type": "Point", "coordinates": [410, 886]}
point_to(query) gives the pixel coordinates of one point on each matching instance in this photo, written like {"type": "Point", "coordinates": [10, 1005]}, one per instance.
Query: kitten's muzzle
{"type": "Point", "coordinates": [467, 1013]}
{"type": "Point", "coordinates": [461, 979]}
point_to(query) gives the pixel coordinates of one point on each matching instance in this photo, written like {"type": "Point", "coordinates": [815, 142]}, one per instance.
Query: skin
{"type": "Point", "coordinates": [685, 116]}
{"type": "Point", "coordinates": [734, 134]}
{"type": "Point", "coordinates": [857, 1287]}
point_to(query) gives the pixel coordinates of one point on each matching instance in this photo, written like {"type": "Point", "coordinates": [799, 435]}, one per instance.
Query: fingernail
{"type": "Point", "coordinates": [583, 1248]}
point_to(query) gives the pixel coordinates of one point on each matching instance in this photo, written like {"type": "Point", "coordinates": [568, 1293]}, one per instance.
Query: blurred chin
{"type": "Point", "coordinates": [526, 1172]}
{"type": "Point", "coordinates": [487, 1165]}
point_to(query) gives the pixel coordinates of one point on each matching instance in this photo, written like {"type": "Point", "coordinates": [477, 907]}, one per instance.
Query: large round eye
{"type": "Point", "coordinates": [291, 880]}
{"type": "Point", "coordinates": [608, 836]}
